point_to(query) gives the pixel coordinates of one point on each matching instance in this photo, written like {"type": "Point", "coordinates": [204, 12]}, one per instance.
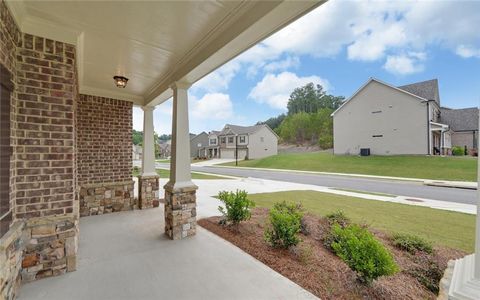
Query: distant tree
{"type": "Point", "coordinates": [273, 122]}
{"type": "Point", "coordinates": [310, 98]}
{"type": "Point", "coordinates": [165, 137]}
{"type": "Point", "coordinates": [137, 137]}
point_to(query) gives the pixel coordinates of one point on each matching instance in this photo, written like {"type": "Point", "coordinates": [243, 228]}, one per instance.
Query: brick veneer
{"type": "Point", "coordinates": [104, 147]}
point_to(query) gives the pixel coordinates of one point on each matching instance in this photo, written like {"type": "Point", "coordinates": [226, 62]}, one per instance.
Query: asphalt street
{"type": "Point", "coordinates": [401, 188]}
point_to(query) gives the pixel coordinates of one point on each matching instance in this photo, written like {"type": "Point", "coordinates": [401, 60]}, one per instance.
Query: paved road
{"type": "Point", "coordinates": [402, 188]}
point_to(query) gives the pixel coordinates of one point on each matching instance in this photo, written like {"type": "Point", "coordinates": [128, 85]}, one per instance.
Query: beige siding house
{"type": "Point", "coordinates": [250, 142]}
{"type": "Point", "coordinates": [391, 120]}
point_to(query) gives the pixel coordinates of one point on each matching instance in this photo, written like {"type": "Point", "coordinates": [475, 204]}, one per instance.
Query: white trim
{"type": "Point", "coordinates": [381, 82]}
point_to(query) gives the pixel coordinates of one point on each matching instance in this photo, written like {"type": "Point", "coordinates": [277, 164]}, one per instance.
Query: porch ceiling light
{"type": "Point", "coordinates": [120, 81]}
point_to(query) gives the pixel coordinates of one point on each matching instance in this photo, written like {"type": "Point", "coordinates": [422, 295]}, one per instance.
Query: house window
{"type": "Point", "coordinates": [376, 112]}
{"type": "Point", "coordinates": [377, 135]}
{"type": "Point", "coordinates": [242, 139]}
{"type": "Point", "coordinates": [261, 139]}
{"type": "Point", "coordinates": [6, 88]}
{"type": "Point", "coordinates": [213, 141]}
{"type": "Point", "coordinates": [222, 140]}
{"type": "Point", "coordinates": [230, 139]}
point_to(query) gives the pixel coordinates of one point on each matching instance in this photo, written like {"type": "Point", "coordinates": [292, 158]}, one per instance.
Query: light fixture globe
{"type": "Point", "coordinates": [120, 81]}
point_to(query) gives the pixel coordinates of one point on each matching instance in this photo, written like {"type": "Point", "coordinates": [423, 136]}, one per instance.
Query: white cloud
{"type": "Point", "coordinates": [405, 64]}
{"type": "Point", "coordinates": [219, 79]}
{"type": "Point", "coordinates": [162, 118]}
{"type": "Point", "coordinates": [282, 65]}
{"type": "Point", "coordinates": [275, 90]}
{"type": "Point", "coordinates": [467, 51]}
{"type": "Point", "coordinates": [216, 106]}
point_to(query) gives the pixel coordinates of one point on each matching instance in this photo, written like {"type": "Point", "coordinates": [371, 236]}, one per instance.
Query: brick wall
{"type": "Point", "coordinates": [45, 120]}
{"type": "Point", "coordinates": [104, 140]}
{"type": "Point", "coordinates": [104, 149]}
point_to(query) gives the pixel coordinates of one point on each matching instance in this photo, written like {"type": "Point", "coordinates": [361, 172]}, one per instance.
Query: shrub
{"type": "Point", "coordinates": [237, 206]}
{"type": "Point", "coordinates": [338, 217]}
{"type": "Point", "coordinates": [458, 151]}
{"type": "Point", "coordinates": [285, 223]}
{"type": "Point", "coordinates": [429, 276]}
{"type": "Point", "coordinates": [364, 254]}
{"type": "Point", "coordinates": [136, 171]}
{"type": "Point", "coordinates": [411, 243]}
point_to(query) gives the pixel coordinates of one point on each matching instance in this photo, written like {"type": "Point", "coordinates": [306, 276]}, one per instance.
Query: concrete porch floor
{"type": "Point", "coordinates": [126, 256]}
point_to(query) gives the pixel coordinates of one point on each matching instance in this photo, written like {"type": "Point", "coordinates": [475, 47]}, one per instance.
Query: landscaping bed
{"type": "Point", "coordinates": [313, 266]}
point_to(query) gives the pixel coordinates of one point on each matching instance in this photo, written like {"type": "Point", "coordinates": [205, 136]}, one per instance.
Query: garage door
{"type": "Point", "coordinates": [230, 153]}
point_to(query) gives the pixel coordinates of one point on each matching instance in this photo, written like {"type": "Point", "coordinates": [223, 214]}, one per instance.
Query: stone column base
{"type": "Point", "coordinates": [180, 211]}
{"type": "Point", "coordinates": [148, 191]}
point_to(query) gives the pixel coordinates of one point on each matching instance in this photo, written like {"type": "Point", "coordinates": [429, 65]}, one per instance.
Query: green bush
{"type": "Point", "coordinates": [429, 276]}
{"type": "Point", "coordinates": [237, 206]}
{"type": "Point", "coordinates": [411, 243]}
{"type": "Point", "coordinates": [458, 151]}
{"type": "Point", "coordinates": [136, 171]}
{"type": "Point", "coordinates": [338, 217]}
{"type": "Point", "coordinates": [285, 223]}
{"type": "Point", "coordinates": [364, 254]}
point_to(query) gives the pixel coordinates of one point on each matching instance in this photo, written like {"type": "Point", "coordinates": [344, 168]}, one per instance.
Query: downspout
{"type": "Point", "coordinates": [428, 128]}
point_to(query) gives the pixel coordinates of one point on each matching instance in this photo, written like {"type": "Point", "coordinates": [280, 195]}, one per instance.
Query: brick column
{"type": "Point", "coordinates": [148, 191]}
{"type": "Point", "coordinates": [180, 192]}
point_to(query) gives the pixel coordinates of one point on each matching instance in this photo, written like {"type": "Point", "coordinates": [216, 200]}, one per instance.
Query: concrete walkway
{"type": "Point", "coordinates": [213, 162]}
{"type": "Point", "coordinates": [126, 256]}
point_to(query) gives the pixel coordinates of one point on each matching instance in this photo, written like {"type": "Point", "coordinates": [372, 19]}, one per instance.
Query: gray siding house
{"type": "Point", "coordinates": [391, 120]}
{"type": "Point", "coordinates": [197, 145]}
{"type": "Point", "coordinates": [464, 124]}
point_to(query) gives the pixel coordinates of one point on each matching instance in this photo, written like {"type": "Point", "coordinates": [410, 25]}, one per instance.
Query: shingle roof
{"type": "Point", "coordinates": [460, 119]}
{"type": "Point", "coordinates": [241, 129]}
{"type": "Point", "coordinates": [425, 89]}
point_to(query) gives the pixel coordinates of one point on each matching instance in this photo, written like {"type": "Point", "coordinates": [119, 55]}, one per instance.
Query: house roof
{"type": "Point", "coordinates": [425, 89]}
{"type": "Point", "coordinates": [464, 119]}
{"type": "Point", "coordinates": [236, 129]}
{"type": "Point", "coordinates": [193, 136]}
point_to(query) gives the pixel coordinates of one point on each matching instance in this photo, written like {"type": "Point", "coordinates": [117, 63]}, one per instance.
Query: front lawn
{"type": "Point", "coordinates": [426, 167]}
{"type": "Point", "coordinates": [441, 227]}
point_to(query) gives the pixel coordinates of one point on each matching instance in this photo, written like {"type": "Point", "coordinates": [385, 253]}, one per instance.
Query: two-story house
{"type": "Point", "coordinates": [246, 142]}
{"type": "Point", "coordinates": [409, 119]}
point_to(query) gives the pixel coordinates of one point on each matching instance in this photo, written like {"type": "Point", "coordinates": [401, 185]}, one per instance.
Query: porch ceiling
{"type": "Point", "coordinates": [153, 43]}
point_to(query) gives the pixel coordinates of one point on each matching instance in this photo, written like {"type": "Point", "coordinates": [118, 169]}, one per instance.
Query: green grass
{"type": "Point", "coordinates": [427, 167]}
{"type": "Point", "coordinates": [441, 227]}
{"type": "Point", "coordinates": [166, 174]}
{"type": "Point", "coordinates": [365, 192]}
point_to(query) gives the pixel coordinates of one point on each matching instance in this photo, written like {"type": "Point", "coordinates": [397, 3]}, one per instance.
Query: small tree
{"type": "Point", "coordinates": [237, 206]}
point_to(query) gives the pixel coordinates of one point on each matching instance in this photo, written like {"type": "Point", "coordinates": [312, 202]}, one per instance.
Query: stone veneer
{"type": "Point", "coordinates": [98, 199]}
{"type": "Point", "coordinates": [180, 212]}
{"type": "Point", "coordinates": [104, 162]}
{"type": "Point", "coordinates": [148, 191]}
{"type": "Point", "coordinates": [11, 253]}
{"type": "Point", "coordinates": [51, 245]}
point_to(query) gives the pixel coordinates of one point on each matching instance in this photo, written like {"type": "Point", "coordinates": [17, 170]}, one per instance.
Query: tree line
{"type": "Point", "coordinates": [308, 119]}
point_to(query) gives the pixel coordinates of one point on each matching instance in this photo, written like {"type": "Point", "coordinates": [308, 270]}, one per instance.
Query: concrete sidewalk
{"type": "Point", "coordinates": [213, 162]}
{"type": "Point", "coordinates": [126, 256]}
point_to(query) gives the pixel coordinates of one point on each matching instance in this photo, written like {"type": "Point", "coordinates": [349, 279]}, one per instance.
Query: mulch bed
{"type": "Point", "coordinates": [312, 266]}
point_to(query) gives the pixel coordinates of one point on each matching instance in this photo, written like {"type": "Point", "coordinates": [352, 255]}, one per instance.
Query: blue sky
{"type": "Point", "coordinates": [340, 45]}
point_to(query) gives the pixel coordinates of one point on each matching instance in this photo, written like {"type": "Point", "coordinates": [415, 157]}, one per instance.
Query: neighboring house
{"type": "Point", "coordinates": [250, 142]}
{"type": "Point", "coordinates": [165, 148]}
{"type": "Point", "coordinates": [464, 123]}
{"type": "Point", "coordinates": [392, 120]}
{"type": "Point", "coordinates": [137, 152]}
{"type": "Point", "coordinates": [197, 145]}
